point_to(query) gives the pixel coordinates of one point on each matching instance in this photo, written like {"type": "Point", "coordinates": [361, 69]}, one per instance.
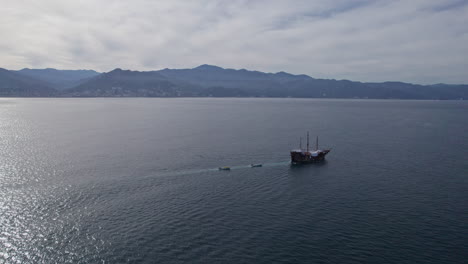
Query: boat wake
{"type": "Point", "coordinates": [239, 167]}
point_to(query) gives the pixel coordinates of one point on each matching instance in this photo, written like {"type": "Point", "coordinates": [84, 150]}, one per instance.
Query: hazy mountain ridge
{"type": "Point", "coordinates": [214, 81]}
{"type": "Point", "coordinates": [124, 83]}
{"type": "Point", "coordinates": [59, 79]}
{"type": "Point", "coordinates": [13, 84]}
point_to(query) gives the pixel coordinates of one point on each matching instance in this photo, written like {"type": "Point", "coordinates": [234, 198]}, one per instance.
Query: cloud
{"type": "Point", "coordinates": [421, 41]}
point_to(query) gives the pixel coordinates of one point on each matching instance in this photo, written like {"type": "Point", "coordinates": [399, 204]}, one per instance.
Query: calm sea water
{"type": "Point", "coordinates": [135, 180]}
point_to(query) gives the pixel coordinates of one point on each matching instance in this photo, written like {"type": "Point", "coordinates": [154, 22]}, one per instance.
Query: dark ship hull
{"type": "Point", "coordinates": [306, 157]}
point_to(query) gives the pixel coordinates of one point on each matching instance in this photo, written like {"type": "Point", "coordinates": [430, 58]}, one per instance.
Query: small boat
{"type": "Point", "coordinates": [224, 168]}
{"type": "Point", "coordinates": [255, 165]}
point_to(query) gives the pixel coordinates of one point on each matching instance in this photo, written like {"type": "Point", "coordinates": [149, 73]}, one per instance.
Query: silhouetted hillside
{"type": "Point", "coordinates": [252, 82]}
{"type": "Point", "coordinates": [15, 85]}
{"type": "Point", "coordinates": [255, 83]}
{"type": "Point", "coordinates": [125, 83]}
{"type": "Point", "coordinates": [60, 79]}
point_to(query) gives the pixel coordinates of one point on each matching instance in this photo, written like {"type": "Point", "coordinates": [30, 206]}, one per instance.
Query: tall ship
{"type": "Point", "coordinates": [306, 156]}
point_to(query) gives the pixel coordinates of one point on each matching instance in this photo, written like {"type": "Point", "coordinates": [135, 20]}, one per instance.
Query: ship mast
{"type": "Point", "coordinates": [300, 143]}
{"type": "Point", "coordinates": [307, 141]}
{"type": "Point", "coordinates": [316, 143]}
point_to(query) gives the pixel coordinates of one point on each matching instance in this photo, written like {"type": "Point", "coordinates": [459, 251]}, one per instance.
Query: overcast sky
{"type": "Point", "coordinates": [419, 41]}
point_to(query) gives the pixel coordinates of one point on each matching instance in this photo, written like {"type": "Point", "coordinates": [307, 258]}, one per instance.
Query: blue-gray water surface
{"type": "Point", "coordinates": [135, 180]}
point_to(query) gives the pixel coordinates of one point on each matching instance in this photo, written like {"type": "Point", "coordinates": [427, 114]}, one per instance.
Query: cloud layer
{"type": "Point", "coordinates": [420, 41]}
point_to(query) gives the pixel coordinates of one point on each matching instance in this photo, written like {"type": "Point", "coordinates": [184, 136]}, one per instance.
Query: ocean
{"type": "Point", "coordinates": [135, 180]}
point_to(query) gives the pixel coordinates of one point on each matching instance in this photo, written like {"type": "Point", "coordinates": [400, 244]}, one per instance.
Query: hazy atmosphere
{"type": "Point", "coordinates": [419, 41]}
{"type": "Point", "coordinates": [242, 131]}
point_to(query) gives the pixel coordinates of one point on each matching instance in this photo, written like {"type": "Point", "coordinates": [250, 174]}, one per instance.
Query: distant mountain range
{"type": "Point", "coordinates": [60, 79]}
{"type": "Point", "coordinates": [208, 81]}
{"type": "Point", "coordinates": [13, 84]}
